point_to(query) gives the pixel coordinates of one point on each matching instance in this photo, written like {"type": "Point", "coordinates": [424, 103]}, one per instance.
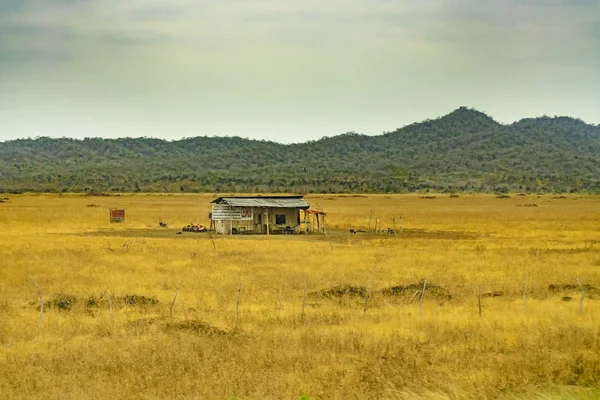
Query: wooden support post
{"type": "Point", "coordinates": [268, 224]}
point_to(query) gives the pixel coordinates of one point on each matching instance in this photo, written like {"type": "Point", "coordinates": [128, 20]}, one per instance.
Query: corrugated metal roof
{"type": "Point", "coordinates": [274, 202]}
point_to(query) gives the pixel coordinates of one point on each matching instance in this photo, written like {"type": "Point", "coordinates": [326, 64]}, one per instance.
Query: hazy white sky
{"type": "Point", "coordinates": [289, 71]}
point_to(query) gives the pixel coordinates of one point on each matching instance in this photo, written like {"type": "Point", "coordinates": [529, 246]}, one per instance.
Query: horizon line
{"type": "Point", "coordinates": [461, 108]}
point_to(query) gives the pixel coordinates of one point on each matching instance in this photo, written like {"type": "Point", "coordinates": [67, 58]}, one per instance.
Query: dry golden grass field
{"type": "Point", "coordinates": [301, 330]}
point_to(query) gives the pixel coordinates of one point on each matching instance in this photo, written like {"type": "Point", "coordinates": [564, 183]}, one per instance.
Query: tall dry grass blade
{"type": "Point", "coordinates": [421, 300]}
{"type": "Point", "coordinates": [127, 244]}
{"type": "Point", "coordinates": [304, 301]}
{"type": "Point", "coordinates": [212, 240]}
{"type": "Point", "coordinates": [525, 293]}
{"type": "Point", "coordinates": [237, 300]}
{"type": "Point", "coordinates": [479, 298]}
{"type": "Point", "coordinates": [582, 297]}
{"type": "Point", "coordinates": [110, 304]}
{"type": "Point", "coordinates": [39, 292]}
{"type": "Point", "coordinates": [175, 298]}
{"type": "Point", "coordinates": [368, 293]}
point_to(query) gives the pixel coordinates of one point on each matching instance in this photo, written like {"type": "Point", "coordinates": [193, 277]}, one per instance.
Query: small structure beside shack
{"type": "Point", "coordinates": [259, 215]}
{"type": "Point", "coordinates": [117, 215]}
{"type": "Point", "coordinates": [315, 220]}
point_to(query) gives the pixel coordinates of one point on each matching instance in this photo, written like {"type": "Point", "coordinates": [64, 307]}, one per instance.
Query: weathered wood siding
{"type": "Point", "coordinates": [259, 223]}
{"type": "Point", "coordinates": [291, 219]}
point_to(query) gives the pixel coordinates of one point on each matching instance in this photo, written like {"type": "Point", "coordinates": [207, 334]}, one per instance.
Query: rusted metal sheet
{"type": "Point", "coordinates": [265, 202]}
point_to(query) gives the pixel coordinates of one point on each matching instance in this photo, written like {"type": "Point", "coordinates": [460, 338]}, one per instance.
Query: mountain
{"type": "Point", "coordinates": [465, 150]}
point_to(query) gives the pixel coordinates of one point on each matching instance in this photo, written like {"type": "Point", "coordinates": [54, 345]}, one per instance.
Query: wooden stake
{"type": "Point", "coordinates": [421, 300]}
{"type": "Point", "coordinates": [525, 293]}
{"type": "Point", "coordinates": [39, 292]}
{"type": "Point", "coordinates": [479, 298]}
{"type": "Point", "coordinates": [237, 301]}
{"type": "Point", "coordinates": [368, 294]}
{"type": "Point", "coordinates": [582, 296]}
{"type": "Point", "coordinates": [174, 298]}
{"type": "Point", "coordinates": [110, 305]}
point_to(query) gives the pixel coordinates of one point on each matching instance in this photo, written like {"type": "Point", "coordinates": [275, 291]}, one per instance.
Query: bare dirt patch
{"type": "Point", "coordinates": [139, 300]}
{"type": "Point", "coordinates": [341, 291]}
{"type": "Point", "coordinates": [68, 302]}
{"type": "Point", "coordinates": [167, 324]}
{"type": "Point", "coordinates": [446, 235]}
{"type": "Point", "coordinates": [589, 290]}
{"type": "Point", "coordinates": [495, 293]}
{"type": "Point", "coordinates": [414, 290]}
{"type": "Point", "coordinates": [62, 302]}
{"type": "Point", "coordinates": [194, 326]}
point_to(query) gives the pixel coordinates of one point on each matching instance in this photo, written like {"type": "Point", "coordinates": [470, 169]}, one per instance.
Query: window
{"type": "Point", "coordinates": [280, 219]}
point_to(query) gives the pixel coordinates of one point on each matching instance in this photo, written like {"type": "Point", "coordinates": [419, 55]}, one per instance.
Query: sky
{"type": "Point", "coordinates": [289, 71]}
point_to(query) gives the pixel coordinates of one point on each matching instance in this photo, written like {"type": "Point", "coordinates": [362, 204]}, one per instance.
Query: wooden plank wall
{"type": "Point", "coordinates": [291, 220]}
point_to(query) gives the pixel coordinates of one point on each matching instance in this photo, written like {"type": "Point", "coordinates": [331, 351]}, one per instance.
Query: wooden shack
{"type": "Point", "coordinates": [258, 215]}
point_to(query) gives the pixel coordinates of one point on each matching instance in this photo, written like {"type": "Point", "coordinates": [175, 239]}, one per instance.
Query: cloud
{"type": "Point", "coordinates": [185, 62]}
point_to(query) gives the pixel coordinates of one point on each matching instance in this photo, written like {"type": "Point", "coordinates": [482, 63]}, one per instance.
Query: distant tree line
{"type": "Point", "coordinates": [465, 150]}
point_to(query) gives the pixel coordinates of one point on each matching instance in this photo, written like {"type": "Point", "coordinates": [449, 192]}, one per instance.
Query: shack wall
{"type": "Point", "coordinates": [258, 225]}
{"type": "Point", "coordinates": [292, 216]}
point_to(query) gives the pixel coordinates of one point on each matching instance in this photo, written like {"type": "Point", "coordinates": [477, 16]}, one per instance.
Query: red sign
{"type": "Point", "coordinates": [117, 215]}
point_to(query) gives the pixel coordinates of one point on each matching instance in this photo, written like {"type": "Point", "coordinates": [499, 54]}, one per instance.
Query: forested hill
{"type": "Point", "coordinates": [465, 150]}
